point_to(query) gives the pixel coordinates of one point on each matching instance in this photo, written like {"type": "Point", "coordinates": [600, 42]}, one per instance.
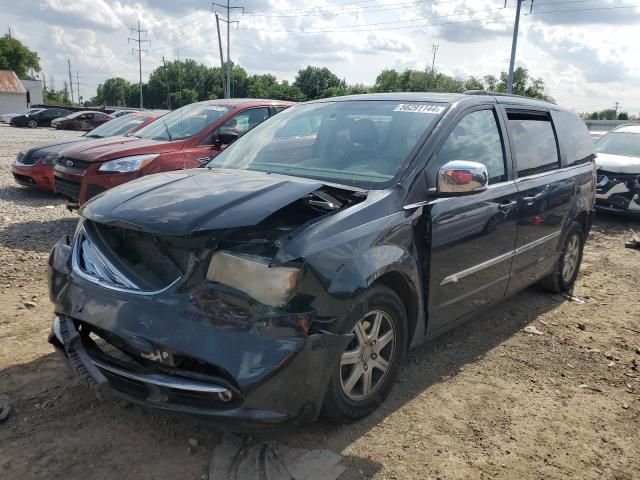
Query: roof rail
{"type": "Point", "coordinates": [493, 94]}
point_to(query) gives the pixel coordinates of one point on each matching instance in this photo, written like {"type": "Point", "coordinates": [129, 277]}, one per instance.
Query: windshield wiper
{"type": "Point", "coordinates": [166, 127]}
{"type": "Point", "coordinates": [95, 136]}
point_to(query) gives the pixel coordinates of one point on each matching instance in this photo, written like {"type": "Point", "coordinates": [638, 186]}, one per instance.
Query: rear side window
{"type": "Point", "coordinates": [574, 137]}
{"type": "Point", "coordinates": [534, 141]}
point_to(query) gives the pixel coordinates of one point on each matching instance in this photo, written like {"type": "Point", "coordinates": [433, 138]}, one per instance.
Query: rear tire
{"type": "Point", "coordinates": [32, 123]}
{"type": "Point", "coordinates": [566, 269]}
{"type": "Point", "coordinates": [366, 371]}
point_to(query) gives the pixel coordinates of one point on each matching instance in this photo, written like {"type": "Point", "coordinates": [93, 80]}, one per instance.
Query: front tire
{"type": "Point", "coordinates": [565, 271]}
{"type": "Point", "coordinates": [32, 123]}
{"type": "Point", "coordinates": [367, 369]}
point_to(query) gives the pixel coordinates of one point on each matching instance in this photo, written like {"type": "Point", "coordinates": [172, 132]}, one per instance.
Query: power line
{"type": "Point", "coordinates": [139, 49]}
{"type": "Point", "coordinates": [322, 11]}
{"type": "Point", "coordinates": [357, 27]}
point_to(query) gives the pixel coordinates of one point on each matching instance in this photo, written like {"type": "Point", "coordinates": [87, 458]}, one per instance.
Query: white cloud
{"type": "Point", "coordinates": [587, 57]}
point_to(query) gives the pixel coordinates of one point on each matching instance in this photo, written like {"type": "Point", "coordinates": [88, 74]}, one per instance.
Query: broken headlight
{"type": "Point", "coordinates": [252, 274]}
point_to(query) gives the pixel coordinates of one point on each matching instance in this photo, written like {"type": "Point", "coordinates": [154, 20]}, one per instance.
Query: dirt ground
{"type": "Point", "coordinates": [486, 400]}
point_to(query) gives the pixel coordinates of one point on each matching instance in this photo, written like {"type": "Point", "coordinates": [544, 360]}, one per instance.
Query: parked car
{"type": "Point", "coordinates": [34, 166]}
{"type": "Point", "coordinates": [618, 165]}
{"type": "Point", "coordinates": [86, 120]}
{"type": "Point", "coordinates": [119, 113]}
{"type": "Point", "coordinates": [39, 118]}
{"type": "Point", "coordinates": [597, 134]}
{"type": "Point", "coordinates": [6, 118]}
{"type": "Point", "coordinates": [290, 277]}
{"type": "Point", "coordinates": [185, 138]}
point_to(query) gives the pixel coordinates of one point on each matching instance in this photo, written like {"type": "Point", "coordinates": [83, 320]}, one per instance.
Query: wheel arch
{"type": "Point", "coordinates": [408, 293]}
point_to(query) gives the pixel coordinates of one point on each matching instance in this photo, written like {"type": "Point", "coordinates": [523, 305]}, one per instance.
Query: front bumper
{"type": "Point", "coordinates": [250, 365]}
{"type": "Point", "coordinates": [618, 195]}
{"type": "Point", "coordinates": [38, 176]}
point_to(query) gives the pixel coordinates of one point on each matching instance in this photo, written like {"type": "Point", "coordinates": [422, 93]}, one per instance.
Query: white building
{"type": "Point", "coordinates": [13, 95]}
{"type": "Point", "coordinates": [34, 87]}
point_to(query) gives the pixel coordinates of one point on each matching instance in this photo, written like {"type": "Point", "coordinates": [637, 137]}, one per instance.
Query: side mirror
{"type": "Point", "coordinates": [226, 138]}
{"type": "Point", "coordinates": [460, 177]}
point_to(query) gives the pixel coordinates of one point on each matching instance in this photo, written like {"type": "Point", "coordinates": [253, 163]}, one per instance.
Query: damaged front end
{"type": "Point", "coordinates": [204, 321]}
{"type": "Point", "coordinates": [618, 192]}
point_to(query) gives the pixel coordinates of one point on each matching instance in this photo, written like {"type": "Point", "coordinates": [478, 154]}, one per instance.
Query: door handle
{"type": "Point", "coordinates": [507, 206]}
{"type": "Point", "coordinates": [530, 200]}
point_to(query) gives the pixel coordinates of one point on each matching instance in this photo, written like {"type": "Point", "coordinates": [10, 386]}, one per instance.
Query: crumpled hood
{"type": "Point", "coordinates": [118, 147]}
{"type": "Point", "coordinates": [188, 201]}
{"type": "Point", "coordinates": [618, 163]}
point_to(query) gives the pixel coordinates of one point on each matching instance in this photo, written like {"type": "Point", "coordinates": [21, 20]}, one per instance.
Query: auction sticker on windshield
{"type": "Point", "coordinates": [418, 108]}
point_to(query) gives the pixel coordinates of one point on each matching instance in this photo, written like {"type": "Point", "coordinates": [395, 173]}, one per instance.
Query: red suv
{"type": "Point", "coordinates": [185, 138]}
{"type": "Point", "coordinates": [34, 165]}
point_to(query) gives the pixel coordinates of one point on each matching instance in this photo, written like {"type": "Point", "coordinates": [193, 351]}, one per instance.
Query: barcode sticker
{"type": "Point", "coordinates": [419, 108]}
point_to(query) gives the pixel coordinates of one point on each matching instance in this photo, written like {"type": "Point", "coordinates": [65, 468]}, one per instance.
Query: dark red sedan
{"type": "Point", "coordinates": [34, 166]}
{"type": "Point", "coordinates": [188, 137]}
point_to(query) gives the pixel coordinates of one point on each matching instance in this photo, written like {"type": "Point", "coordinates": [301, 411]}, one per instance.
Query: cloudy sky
{"type": "Point", "coordinates": [585, 50]}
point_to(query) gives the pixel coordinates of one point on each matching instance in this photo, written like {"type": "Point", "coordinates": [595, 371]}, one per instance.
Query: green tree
{"type": "Point", "coordinates": [14, 55]}
{"type": "Point", "coordinates": [524, 85]}
{"type": "Point", "coordinates": [314, 82]}
{"type": "Point", "coordinates": [114, 91]}
{"type": "Point", "coordinates": [387, 81]}
{"type": "Point", "coordinates": [623, 116]}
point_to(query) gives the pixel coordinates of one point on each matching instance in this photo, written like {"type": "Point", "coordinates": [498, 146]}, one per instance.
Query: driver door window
{"type": "Point", "coordinates": [245, 121]}
{"type": "Point", "coordinates": [476, 138]}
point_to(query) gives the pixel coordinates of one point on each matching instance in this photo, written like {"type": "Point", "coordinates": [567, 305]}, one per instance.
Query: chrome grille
{"type": "Point", "coordinates": [129, 260]}
{"type": "Point", "coordinates": [25, 159]}
{"type": "Point", "coordinates": [73, 163]}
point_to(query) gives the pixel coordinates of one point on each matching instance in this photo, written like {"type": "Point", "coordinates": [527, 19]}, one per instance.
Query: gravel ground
{"type": "Point", "coordinates": [486, 400]}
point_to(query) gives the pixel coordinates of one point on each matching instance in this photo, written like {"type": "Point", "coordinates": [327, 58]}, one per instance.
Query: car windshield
{"type": "Point", "coordinates": [363, 143]}
{"type": "Point", "coordinates": [118, 126]}
{"type": "Point", "coordinates": [31, 111]}
{"type": "Point", "coordinates": [184, 122]}
{"type": "Point", "coordinates": [619, 143]}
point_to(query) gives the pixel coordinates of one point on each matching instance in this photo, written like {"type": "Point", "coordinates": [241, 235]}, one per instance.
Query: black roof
{"type": "Point", "coordinates": [475, 95]}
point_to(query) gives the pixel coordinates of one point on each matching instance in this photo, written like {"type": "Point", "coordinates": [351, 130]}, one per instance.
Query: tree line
{"type": "Point", "coordinates": [179, 83]}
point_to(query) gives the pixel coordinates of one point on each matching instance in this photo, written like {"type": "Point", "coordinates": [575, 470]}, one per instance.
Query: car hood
{"type": "Point", "coordinates": [618, 163]}
{"type": "Point", "coordinates": [55, 146]}
{"type": "Point", "coordinates": [118, 147]}
{"type": "Point", "coordinates": [188, 201]}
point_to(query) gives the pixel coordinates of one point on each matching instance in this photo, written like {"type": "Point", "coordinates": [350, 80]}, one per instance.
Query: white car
{"type": "Point", "coordinates": [618, 164]}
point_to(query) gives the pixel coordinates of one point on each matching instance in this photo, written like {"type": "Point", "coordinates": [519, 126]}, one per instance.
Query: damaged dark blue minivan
{"type": "Point", "coordinates": [289, 277]}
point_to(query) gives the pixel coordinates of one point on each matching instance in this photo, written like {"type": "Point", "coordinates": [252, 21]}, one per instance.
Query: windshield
{"type": "Point", "coordinates": [361, 143]}
{"type": "Point", "coordinates": [31, 111]}
{"type": "Point", "coordinates": [184, 122]}
{"type": "Point", "coordinates": [618, 143]}
{"type": "Point", "coordinates": [117, 126]}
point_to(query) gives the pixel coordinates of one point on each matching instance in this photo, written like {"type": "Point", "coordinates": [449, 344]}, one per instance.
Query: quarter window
{"type": "Point", "coordinates": [245, 121]}
{"type": "Point", "coordinates": [534, 141]}
{"type": "Point", "coordinates": [476, 138]}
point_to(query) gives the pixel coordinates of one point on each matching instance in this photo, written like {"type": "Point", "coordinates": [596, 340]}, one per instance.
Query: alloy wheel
{"type": "Point", "coordinates": [367, 360]}
{"type": "Point", "coordinates": [571, 258]}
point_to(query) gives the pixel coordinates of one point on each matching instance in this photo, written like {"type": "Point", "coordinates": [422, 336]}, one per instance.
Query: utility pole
{"type": "Point", "coordinates": [78, 85]}
{"type": "Point", "coordinates": [434, 49]}
{"type": "Point", "coordinates": [514, 44]}
{"type": "Point", "coordinates": [224, 88]}
{"type": "Point", "coordinates": [228, 21]}
{"type": "Point", "coordinates": [617, 106]}
{"type": "Point", "coordinates": [139, 49]}
{"type": "Point", "coordinates": [70, 80]}
{"type": "Point", "coordinates": [9, 32]}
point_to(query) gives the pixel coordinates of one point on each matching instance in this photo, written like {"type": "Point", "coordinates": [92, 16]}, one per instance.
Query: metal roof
{"type": "Point", "coordinates": [9, 83]}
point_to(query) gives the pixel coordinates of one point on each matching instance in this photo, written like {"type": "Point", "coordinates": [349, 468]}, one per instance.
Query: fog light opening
{"type": "Point", "coordinates": [225, 396]}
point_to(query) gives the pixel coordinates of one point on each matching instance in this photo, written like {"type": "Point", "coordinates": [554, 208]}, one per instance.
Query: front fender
{"type": "Point", "coordinates": [363, 269]}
